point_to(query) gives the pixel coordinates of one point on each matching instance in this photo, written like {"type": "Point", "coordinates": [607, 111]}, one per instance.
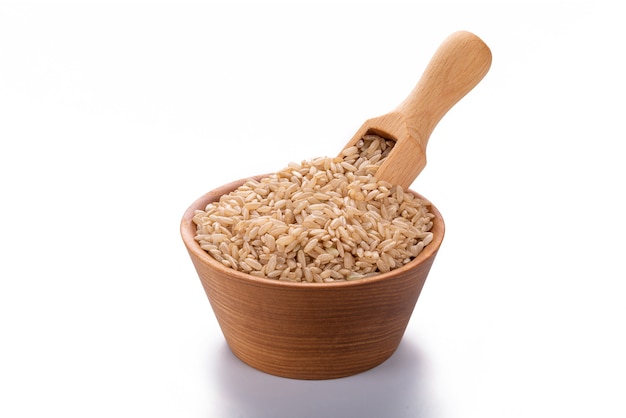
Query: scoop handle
{"type": "Point", "coordinates": [457, 66]}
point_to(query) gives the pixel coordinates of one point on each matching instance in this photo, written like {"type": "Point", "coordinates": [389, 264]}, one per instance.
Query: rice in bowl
{"type": "Point", "coordinates": [323, 220]}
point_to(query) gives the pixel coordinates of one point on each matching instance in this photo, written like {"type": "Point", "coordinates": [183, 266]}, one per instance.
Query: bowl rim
{"type": "Point", "coordinates": [188, 229]}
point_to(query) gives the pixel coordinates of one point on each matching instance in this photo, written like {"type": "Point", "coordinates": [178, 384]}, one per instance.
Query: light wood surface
{"type": "Point", "coordinates": [457, 66]}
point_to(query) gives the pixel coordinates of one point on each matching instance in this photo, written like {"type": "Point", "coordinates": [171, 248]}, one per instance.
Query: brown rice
{"type": "Point", "coordinates": [323, 220]}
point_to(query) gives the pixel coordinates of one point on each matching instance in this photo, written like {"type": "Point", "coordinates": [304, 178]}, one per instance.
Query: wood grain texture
{"type": "Point", "coordinates": [309, 331]}
{"type": "Point", "coordinates": [457, 67]}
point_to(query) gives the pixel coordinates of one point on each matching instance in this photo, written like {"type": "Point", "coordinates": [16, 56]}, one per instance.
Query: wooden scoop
{"type": "Point", "coordinates": [458, 65]}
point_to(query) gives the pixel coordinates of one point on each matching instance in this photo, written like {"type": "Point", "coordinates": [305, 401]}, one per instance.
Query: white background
{"type": "Point", "coordinates": [115, 116]}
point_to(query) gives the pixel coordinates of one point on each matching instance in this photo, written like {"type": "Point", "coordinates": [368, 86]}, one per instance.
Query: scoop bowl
{"type": "Point", "coordinates": [310, 331]}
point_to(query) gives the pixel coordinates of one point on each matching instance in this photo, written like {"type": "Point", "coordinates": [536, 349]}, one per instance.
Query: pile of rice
{"type": "Point", "coordinates": [323, 220]}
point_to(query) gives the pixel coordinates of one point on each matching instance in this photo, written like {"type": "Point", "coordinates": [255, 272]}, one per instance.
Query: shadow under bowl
{"type": "Point", "coordinates": [309, 330]}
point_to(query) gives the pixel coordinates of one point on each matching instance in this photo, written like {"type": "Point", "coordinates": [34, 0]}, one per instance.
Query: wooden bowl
{"type": "Point", "coordinates": [309, 330]}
